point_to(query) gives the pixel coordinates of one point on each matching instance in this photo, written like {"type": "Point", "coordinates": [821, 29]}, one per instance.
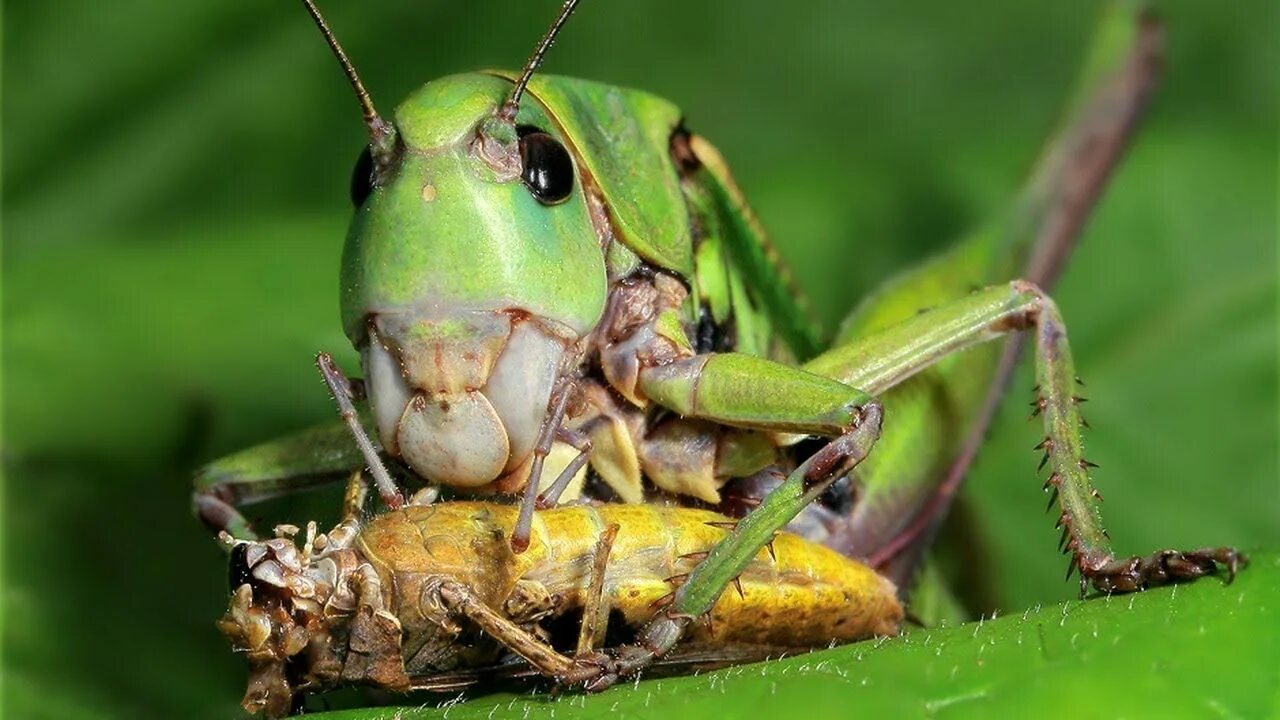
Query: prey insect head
{"type": "Point", "coordinates": [292, 601]}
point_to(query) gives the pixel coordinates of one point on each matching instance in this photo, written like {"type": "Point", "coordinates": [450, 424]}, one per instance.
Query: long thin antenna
{"type": "Point", "coordinates": [379, 130]}
{"type": "Point", "coordinates": [512, 105]}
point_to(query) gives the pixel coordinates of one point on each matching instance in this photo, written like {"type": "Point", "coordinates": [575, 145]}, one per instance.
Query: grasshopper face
{"type": "Point", "coordinates": [464, 283]}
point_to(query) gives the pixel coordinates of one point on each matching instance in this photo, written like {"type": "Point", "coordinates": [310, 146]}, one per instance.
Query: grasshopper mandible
{"type": "Point", "coordinates": [541, 262]}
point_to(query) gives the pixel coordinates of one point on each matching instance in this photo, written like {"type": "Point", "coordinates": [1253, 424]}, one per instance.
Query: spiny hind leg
{"type": "Point", "coordinates": [884, 359]}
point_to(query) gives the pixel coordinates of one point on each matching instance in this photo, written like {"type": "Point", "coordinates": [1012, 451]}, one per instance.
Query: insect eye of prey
{"type": "Point", "coordinates": [546, 168]}
{"type": "Point", "coordinates": [238, 567]}
{"type": "Point", "coordinates": [362, 178]}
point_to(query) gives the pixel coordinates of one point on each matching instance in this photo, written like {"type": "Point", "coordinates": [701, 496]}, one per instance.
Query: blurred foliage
{"type": "Point", "coordinates": [175, 199]}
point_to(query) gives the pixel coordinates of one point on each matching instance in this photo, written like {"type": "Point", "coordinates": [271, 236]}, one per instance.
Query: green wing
{"type": "Point", "coordinates": [752, 256]}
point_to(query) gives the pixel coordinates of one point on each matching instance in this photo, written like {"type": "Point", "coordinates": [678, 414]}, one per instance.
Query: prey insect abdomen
{"type": "Point", "coordinates": [800, 595]}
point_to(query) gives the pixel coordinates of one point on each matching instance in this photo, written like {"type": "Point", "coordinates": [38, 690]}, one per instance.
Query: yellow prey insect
{"type": "Point", "coordinates": [413, 598]}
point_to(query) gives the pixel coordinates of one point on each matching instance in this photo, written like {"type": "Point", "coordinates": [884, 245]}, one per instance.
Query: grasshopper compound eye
{"type": "Point", "coordinates": [545, 166]}
{"type": "Point", "coordinates": [362, 178]}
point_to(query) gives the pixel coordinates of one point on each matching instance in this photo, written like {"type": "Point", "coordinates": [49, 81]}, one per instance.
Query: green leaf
{"type": "Point", "coordinates": [1124, 656]}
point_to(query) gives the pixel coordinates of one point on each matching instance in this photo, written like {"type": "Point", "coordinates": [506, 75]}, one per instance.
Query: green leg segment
{"type": "Point", "coordinates": [887, 358]}
{"type": "Point", "coordinates": [750, 536]}
{"type": "Point", "coordinates": [940, 417]}
{"type": "Point", "coordinates": [751, 392]}
{"type": "Point", "coordinates": [320, 456]}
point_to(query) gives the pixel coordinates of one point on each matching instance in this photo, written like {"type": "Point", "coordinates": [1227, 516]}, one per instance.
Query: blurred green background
{"type": "Point", "coordinates": [175, 180]}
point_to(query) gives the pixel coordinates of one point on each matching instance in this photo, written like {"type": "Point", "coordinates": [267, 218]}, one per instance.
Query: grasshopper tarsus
{"type": "Point", "coordinates": [1163, 567]}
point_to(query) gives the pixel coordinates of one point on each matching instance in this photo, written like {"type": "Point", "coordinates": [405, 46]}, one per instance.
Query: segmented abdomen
{"type": "Point", "coordinates": [801, 595]}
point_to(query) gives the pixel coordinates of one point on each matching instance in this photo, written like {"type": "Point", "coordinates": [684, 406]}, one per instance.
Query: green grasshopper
{"type": "Point", "coordinates": [542, 263]}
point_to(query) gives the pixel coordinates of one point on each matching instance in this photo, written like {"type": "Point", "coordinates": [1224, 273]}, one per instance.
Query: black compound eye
{"type": "Point", "coordinates": [362, 178]}
{"type": "Point", "coordinates": [238, 570]}
{"type": "Point", "coordinates": [546, 168]}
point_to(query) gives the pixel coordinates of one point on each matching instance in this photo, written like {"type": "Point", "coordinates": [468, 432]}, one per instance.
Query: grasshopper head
{"type": "Point", "coordinates": [472, 265]}
{"type": "Point", "coordinates": [466, 277]}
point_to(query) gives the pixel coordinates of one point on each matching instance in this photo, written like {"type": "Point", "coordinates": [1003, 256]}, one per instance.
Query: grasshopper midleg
{"type": "Point", "coordinates": [317, 457]}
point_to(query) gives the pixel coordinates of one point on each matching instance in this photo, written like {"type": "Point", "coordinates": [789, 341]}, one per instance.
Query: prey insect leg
{"type": "Point", "coordinates": [354, 496]}
{"type": "Point", "coordinates": [462, 600]}
{"type": "Point", "coordinates": [595, 611]}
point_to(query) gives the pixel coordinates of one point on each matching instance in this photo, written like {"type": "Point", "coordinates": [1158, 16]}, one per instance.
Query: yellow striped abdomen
{"type": "Point", "coordinates": [803, 595]}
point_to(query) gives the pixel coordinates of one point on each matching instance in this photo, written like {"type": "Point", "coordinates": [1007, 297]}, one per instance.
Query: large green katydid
{"type": "Point", "coordinates": [540, 262]}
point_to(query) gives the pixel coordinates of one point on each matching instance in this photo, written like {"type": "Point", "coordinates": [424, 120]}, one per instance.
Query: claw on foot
{"type": "Point", "coordinates": [592, 671]}
{"type": "Point", "coordinates": [1163, 567]}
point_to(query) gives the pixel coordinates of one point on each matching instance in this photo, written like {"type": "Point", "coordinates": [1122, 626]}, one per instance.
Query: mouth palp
{"type": "Point", "coordinates": [460, 398]}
